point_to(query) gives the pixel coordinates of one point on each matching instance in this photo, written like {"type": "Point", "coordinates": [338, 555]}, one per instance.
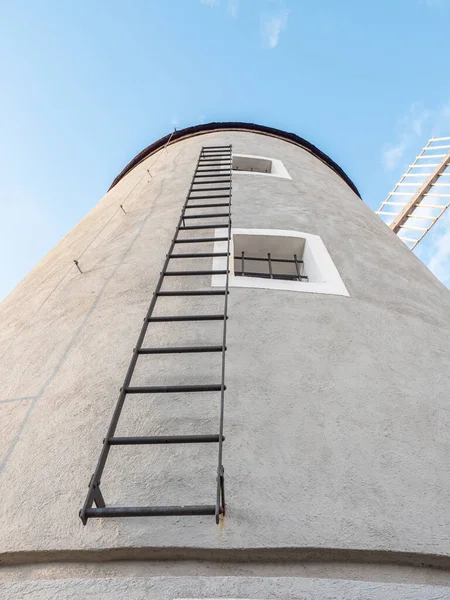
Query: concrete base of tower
{"type": "Point", "coordinates": [168, 580]}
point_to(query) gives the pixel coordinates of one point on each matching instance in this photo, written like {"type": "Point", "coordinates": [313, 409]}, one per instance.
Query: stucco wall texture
{"type": "Point", "coordinates": [336, 409]}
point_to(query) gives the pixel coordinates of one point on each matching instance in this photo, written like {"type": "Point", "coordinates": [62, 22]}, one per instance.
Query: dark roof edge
{"type": "Point", "coordinates": [210, 127]}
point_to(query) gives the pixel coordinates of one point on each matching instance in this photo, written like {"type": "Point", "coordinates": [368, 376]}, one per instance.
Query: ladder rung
{"type": "Point", "coordinates": [219, 150]}
{"type": "Point", "coordinates": [424, 166]}
{"type": "Point", "coordinates": [214, 189]}
{"type": "Point", "coordinates": [150, 511]}
{"type": "Point", "coordinates": [211, 205]}
{"type": "Point", "coordinates": [215, 147]}
{"type": "Point", "coordinates": [431, 206]}
{"type": "Point", "coordinates": [213, 164]}
{"type": "Point", "coordinates": [200, 173]}
{"type": "Point", "coordinates": [170, 389]}
{"type": "Point", "coordinates": [181, 349]}
{"type": "Point", "coordinates": [164, 439]}
{"type": "Point", "coordinates": [438, 147]}
{"type": "Point", "coordinates": [216, 157]}
{"type": "Point", "coordinates": [171, 318]}
{"type": "Point", "coordinates": [200, 254]}
{"type": "Point", "coordinates": [207, 205]}
{"type": "Point", "coordinates": [208, 197]}
{"type": "Point", "coordinates": [194, 293]}
{"type": "Point", "coordinates": [211, 176]}
{"type": "Point", "coordinates": [211, 182]}
{"type": "Point", "coordinates": [220, 179]}
{"type": "Point", "coordinates": [214, 226]}
{"type": "Point", "coordinates": [209, 163]}
{"type": "Point", "coordinates": [225, 151]}
{"type": "Point", "coordinates": [199, 240]}
{"type": "Point", "coordinates": [427, 156]}
{"type": "Point", "coordinates": [206, 216]}
{"type": "Point", "coordinates": [224, 167]}
{"type": "Point", "coordinates": [193, 273]}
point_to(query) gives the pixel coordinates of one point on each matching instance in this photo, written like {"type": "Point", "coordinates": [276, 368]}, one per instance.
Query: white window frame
{"type": "Point", "coordinates": [322, 273]}
{"type": "Point", "coordinates": [278, 168]}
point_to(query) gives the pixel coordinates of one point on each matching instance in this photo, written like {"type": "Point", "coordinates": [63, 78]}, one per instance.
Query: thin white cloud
{"type": "Point", "coordinates": [393, 154]}
{"type": "Point", "coordinates": [433, 3]}
{"type": "Point", "coordinates": [409, 129]}
{"type": "Point", "coordinates": [233, 8]}
{"type": "Point", "coordinates": [441, 121]}
{"type": "Point", "coordinates": [272, 24]}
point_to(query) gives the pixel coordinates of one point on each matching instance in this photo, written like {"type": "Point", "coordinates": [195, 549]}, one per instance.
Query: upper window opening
{"type": "Point", "coordinates": [259, 165]}
{"type": "Point", "coordinates": [250, 163]}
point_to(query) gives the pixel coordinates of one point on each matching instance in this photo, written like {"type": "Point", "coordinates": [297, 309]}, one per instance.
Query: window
{"type": "Point", "coordinates": [259, 165]}
{"type": "Point", "coordinates": [278, 260]}
{"type": "Point", "coordinates": [252, 163]}
{"type": "Point", "coordinates": [269, 257]}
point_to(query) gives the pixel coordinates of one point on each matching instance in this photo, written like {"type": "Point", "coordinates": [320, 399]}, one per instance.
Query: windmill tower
{"type": "Point", "coordinates": [241, 381]}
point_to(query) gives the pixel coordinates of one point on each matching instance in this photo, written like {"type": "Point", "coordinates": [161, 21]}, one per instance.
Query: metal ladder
{"type": "Point", "coordinates": [212, 175]}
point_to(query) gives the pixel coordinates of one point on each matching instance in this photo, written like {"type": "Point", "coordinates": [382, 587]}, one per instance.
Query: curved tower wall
{"type": "Point", "coordinates": [336, 416]}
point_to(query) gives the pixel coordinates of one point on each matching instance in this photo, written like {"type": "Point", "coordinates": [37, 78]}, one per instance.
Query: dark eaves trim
{"type": "Point", "coordinates": [234, 126]}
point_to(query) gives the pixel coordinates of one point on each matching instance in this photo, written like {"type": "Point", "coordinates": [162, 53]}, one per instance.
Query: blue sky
{"type": "Point", "coordinates": [86, 85]}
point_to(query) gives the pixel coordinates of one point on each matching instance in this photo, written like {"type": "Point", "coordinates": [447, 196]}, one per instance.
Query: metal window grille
{"type": "Point", "coordinates": [252, 164]}
{"type": "Point", "coordinates": [269, 267]}
{"type": "Point", "coordinates": [251, 169]}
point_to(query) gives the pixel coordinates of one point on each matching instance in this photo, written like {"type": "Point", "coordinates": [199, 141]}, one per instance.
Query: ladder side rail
{"type": "Point", "coordinates": [220, 496]}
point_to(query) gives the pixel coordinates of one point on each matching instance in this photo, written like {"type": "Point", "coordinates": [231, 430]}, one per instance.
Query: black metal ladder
{"type": "Point", "coordinates": [211, 185]}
